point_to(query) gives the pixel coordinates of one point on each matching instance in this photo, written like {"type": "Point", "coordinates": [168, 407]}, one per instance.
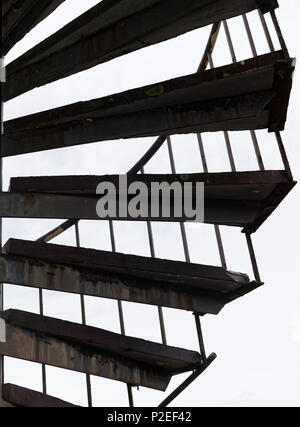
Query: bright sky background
{"type": "Point", "coordinates": [257, 338]}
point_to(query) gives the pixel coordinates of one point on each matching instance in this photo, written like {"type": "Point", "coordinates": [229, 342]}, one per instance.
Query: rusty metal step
{"type": "Point", "coordinates": [19, 17]}
{"type": "Point", "coordinates": [114, 28]}
{"type": "Point", "coordinates": [20, 397]}
{"type": "Point", "coordinates": [252, 94]}
{"type": "Point", "coordinates": [93, 351]}
{"type": "Point", "coordinates": [199, 288]}
{"type": "Point", "coordinates": [241, 199]}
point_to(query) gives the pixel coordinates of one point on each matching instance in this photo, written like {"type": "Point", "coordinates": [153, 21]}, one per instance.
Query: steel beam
{"type": "Point", "coordinates": [242, 199]}
{"type": "Point", "coordinates": [98, 282]}
{"type": "Point", "coordinates": [253, 94]}
{"type": "Point", "coordinates": [248, 185]}
{"type": "Point", "coordinates": [21, 397]}
{"type": "Point", "coordinates": [52, 206]}
{"type": "Point", "coordinates": [94, 351]}
{"type": "Point", "coordinates": [19, 17]}
{"type": "Point", "coordinates": [114, 28]}
{"type": "Point", "coordinates": [200, 276]}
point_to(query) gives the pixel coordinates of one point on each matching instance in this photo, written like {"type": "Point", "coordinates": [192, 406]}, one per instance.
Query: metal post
{"type": "Point", "coordinates": [202, 153]}
{"type": "Point", "coordinates": [200, 338]}
{"type": "Point", "coordinates": [253, 258]}
{"type": "Point", "coordinates": [234, 60]}
{"type": "Point", "coordinates": [229, 40]}
{"type": "Point", "coordinates": [220, 246]}
{"type": "Point", "coordinates": [182, 225]}
{"type": "Point", "coordinates": [266, 31]}
{"type": "Point", "coordinates": [229, 151]}
{"type": "Point", "coordinates": [83, 318]}
{"type": "Point", "coordinates": [216, 227]}
{"type": "Point", "coordinates": [152, 251]}
{"type": "Point", "coordinates": [44, 373]}
{"type": "Point", "coordinates": [284, 156]}
{"type": "Point", "coordinates": [249, 34]}
{"type": "Point", "coordinates": [257, 150]}
{"type": "Point", "coordinates": [225, 133]}
{"type": "Point", "coordinates": [279, 33]}
{"type": "Point", "coordinates": [120, 309]}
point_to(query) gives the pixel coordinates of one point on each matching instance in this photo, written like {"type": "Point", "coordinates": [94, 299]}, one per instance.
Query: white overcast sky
{"type": "Point", "coordinates": [257, 338]}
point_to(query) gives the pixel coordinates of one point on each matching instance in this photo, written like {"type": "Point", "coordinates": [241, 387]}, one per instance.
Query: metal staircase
{"type": "Point", "coordinates": [248, 95]}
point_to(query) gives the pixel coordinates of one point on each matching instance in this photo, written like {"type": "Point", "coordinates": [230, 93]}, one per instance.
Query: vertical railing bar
{"type": "Point", "coordinates": [252, 132]}
{"type": "Point", "coordinates": [171, 155]}
{"type": "Point", "coordinates": [152, 252]}
{"type": "Point", "coordinates": [182, 225]}
{"type": "Point", "coordinates": [162, 325]}
{"type": "Point", "coordinates": [185, 242]}
{"type": "Point", "coordinates": [229, 40]}
{"type": "Point", "coordinates": [220, 246]}
{"type": "Point", "coordinates": [216, 227]}
{"type": "Point", "coordinates": [278, 136]}
{"type": "Point", "coordinates": [257, 150]}
{"type": "Point", "coordinates": [120, 305]}
{"type": "Point", "coordinates": [279, 33]}
{"type": "Point", "coordinates": [112, 236]}
{"type": "Point", "coordinates": [83, 319]}
{"type": "Point", "coordinates": [202, 153]}
{"type": "Point", "coordinates": [284, 156]}
{"type": "Point", "coordinates": [201, 340]}
{"type": "Point", "coordinates": [234, 60]}
{"type": "Point", "coordinates": [229, 151]}
{"type": "Point", "coordinates": [225, 133]}
{"type": "Point", "coordinates": [83, 310]}
{"type": "Point", "coordinates": [266, 31]}
{"type": "Point", "coordinates": [120, 308]}
{"type": "Point", "coordinates": [44, 372]}
{"type": "Point", "coordinates": [249, 34]}
{"type": "Point", "coordinates": [253, 257]}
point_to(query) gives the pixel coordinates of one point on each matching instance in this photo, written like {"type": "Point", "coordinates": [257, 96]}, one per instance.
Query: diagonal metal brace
{"type": "Point", "coordinates": [187, 382]}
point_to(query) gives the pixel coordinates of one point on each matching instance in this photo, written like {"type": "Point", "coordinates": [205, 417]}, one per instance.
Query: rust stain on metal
{"type": "Point", "coordinates": [94, 351]}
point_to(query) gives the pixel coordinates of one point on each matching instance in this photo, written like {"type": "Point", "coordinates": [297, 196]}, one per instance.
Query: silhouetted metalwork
{"type": "Point", "coordinates": [111, 29]}
{"type": "Point", "coordinates": [199, 288]}
{"type": "Point", "coordinates": [253, 94]}
{"type": "Point", "coordinates": [19, 17]}
{"type": "Point", "coordinates": [239, 199]}
{"type": "Point", "coordinates": [248, 95]}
